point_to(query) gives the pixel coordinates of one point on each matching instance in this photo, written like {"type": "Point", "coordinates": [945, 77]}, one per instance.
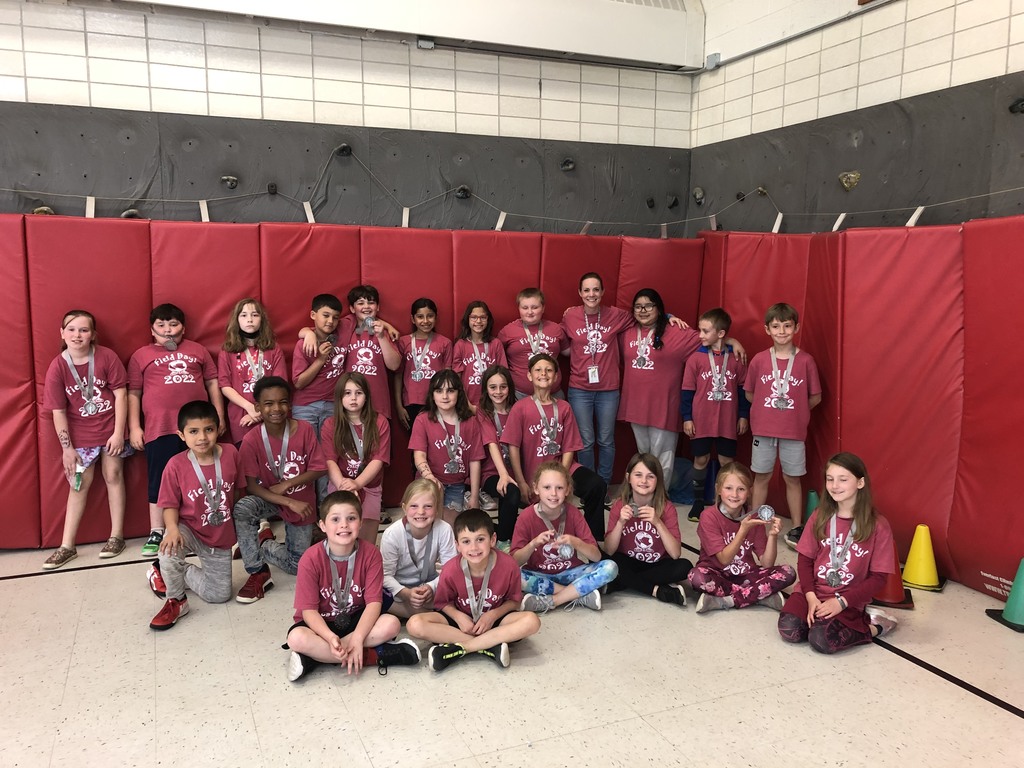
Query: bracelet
{"type": "Point", "coordinates": [842, 602]}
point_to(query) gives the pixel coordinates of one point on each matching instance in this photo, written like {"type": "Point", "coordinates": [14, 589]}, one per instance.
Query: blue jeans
{"type": "Point", "coordinates": [316, 414]}
{"type": "Point", "coordinates": [589, 406]}
{"type": "Point", "coordinates": [247, 513]}
{"type": "Point", "coordinates": [586, 578]}
{"type": "Point", "coordinates": [455, 496]}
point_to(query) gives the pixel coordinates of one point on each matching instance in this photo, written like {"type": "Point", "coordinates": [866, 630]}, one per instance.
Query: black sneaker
{"type": "Point", "coordinates": [793, 536]}
{"type": "Point", "coordinates": [695, 510]}
{"type": "Point", "coordinates": [498, 654]}
{"type": "Point", "coordinates": [397, 653]}
{"type": "Point", "coordinates": [670, 593]}
{"type": "Point", "coordinates": [444, 654]}
{"type": "Point", "coordinates": [300, 664]}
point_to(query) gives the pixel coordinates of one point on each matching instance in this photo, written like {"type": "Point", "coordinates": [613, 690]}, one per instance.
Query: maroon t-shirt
{"type": "Point", "coordinates": [314, 587]}
{"type": "Point", "coordinates": [488, 436]}
{"type": "Point", "coordinates": [523, 429]}
{"type": "Point", "coordinates": [550, 337]}
{"type": "Point", "coordinates": [790, 422]}
{"type": "Point", "coordinates": [350, 465]}
{"type": "Point", "coordinates": [504, 584]}
{"type": "Point", "coordinates": [322, 386]}
{"type": "Point", "coordinates": [434, 437]}
{"type": "Point", "coordinates": [711, 417]}
{"type": "Point", "coordinates": [180, 489]}
{"type": "Point", "coordinates": [61, 393]}
{"type": "Point", "coordinates": [651, 389]}
{"type": "Point", "coordinates": [304, 455]}
{"type": "Point", "coordinates": [433, 360]}
{"type": "Point", "coordinates": [547, 559]}
{"type": "Point", "coordinates": [365, 356]}
{"type": "Point", "coordinates": [716, 532]}
{"type": "Point", "coordinates": [594, 340]}
{"type": "Point", "coordinates": [873, 555]}
{"type": "Point", "coordinates": [233, 370]}
{"type": "Point", "coordinates": [168, 380]}
{"type": "Point", "coordinates": [471, 368]}
{"type": "Point", "coordinates": [640, 538]}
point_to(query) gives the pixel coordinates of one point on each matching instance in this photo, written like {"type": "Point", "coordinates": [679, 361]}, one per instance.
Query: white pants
{"type": "Point", "coordinates": [661, 443]}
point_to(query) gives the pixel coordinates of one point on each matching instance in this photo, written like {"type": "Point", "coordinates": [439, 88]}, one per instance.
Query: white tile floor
{"type": "Point", "coordinates": [87, 683]}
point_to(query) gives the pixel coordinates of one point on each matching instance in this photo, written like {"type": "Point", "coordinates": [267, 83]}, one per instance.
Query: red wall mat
{"type": "Point", "coordinates": [566, 258]}
{"type": "Point", "coordinates": [712, 278]}
{"type": "Point", "coordinates": [101, 266]}
{"type": "Point", "coordinates": [493, 267]}
{"type": "Point", "coordinates": [986, 537]}
{"type": "Point", "coordinates": [903, 373]}
{"type": "Point", "coordinates": [298, 261]}
{"type": "Point", "coordinates": [671, 267]}
{"type": "Point", "coordinates": [405, 264]}
{"type": "Point", "coordinates": [19, 446]}
{"type": "Point", "coordinates": [227, 258]}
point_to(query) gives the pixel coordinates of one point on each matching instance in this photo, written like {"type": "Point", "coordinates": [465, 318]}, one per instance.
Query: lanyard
{"type": "Point", "coordinates": [598, 338]}
{"type": "Point", "coordinates": [782, 382]}
{"type": "Point", "coordinates": [534, 340]}
{"type": "Point", "coordinates": [838, 556]}
{"type": "Point", "coordinates": [499, 428]}
{"type": "Point", "coordinates": [718, 376]}
{"type": "Point", "coordinates": [350, 563]}
{"type": "Point", "coordinates": [547, 523]}
{"type": "Point", "coordinates": [476, 599]}
{"type": "Point", "coordinates": [548, 429]}
{"type": "Point", "coordinates": [643, 346]}
{"type": "Point", "coordinates": [357, 441]}
{"type": "Point", "coordinates": [418, 358]}
{"type": "Point", "coordinates": [87, 387]}
{"type": "Point", "coordinates": [480, 357]}
{"type": "Point", "coordinates": [428, 559]}
{"type": "Point", "coordinates": [212, 494]}
{"type": "Point", "coordinates": [256, 367]}
{"type": "Point", "coordinates": [276, 463]}
{"type": "Point", "coordinates": [452, 444]}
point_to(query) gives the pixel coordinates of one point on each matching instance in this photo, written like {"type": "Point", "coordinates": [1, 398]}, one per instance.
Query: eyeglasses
{"type": "Point", "coordinates": [643, 307]}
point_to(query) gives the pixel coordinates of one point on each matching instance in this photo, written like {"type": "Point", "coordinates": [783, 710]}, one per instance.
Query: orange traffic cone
{"type": "Point", "coordinates": [893, 594]}
{"type": "Point", "coordinates": [1013, 614]}
{"type": "Point", "coordinates": [920, 571]}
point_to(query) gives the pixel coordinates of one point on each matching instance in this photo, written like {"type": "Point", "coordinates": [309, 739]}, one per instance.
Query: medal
{"type": "Point", "coordinates": [550, 449]}
{"type": "Point", "coordinates": [87, 387]}
{"type": "Point", "coordinates": [215, 518]}
{"type": "Point", "coordinates": [716, 395]}
{"type": "Point", "coordinates": [832, 577]}
{"type": "Point", "coordinates": [548, 429]}
{"type": "Point", "coordinates": [91, 409]}
{"type": "Point", "coordinates": [718, 378]}
{"type": "Point", "coordinates": [643, 346]}
{"type": "Point", "coordinates": [170, 344]}
{"type": "Point", "coordinates": [566, 551]}
{"type": "Point", "coordinates": [418, 358]}
{"type": "Point", "coordinates": [780, 382]}
{"type": "Point", "coordinates": [416, 375]}
{"type": "Point", "coordinates": [367, 326]}
{"type": "Point", "coordinates": [641, 362]}
{"type": "Point", "coordinates": [342, 595]}
{"type": "Point", "coordinates": [474, 598]}
{"type": "Point", "coordinates": [837, 556]}
{"type": "Point", "coordinates": [764, 512]}
{"type": "Point", "coordinates": [452, 444]}
{"type": "Point", "coordinates": [212, 492]}
{"type": "Point", "coordinates": [451, 468]}
{"type": "Point", "coordinates": [255, 366]}
{"type": "Point", "coordinates": [781, 403]}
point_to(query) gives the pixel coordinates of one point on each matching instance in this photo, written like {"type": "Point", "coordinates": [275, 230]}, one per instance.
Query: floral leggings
{"type": "Point", "coordinates": [586, 578]}
{"type": "Point", "coordinates": [745, 589]}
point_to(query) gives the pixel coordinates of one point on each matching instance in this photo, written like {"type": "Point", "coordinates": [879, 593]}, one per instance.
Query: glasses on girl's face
{"type": "Point", "coordinates": [643, 307]}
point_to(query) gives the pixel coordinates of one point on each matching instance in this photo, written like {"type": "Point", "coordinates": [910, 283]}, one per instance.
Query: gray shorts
{"type": "Point", "coordinates": [792, 455]}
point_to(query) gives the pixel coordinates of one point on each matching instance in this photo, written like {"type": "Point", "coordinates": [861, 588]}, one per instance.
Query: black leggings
{"type": "Point", "coordinates": [644, 577]}
{"type": "Point", "coordinates": [592, 490]}
{"type": "Point", "coordinates": [508, 505]}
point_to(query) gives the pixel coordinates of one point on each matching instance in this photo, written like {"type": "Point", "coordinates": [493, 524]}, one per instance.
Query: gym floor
{"type": "Point", "coordinates": [641, 682]}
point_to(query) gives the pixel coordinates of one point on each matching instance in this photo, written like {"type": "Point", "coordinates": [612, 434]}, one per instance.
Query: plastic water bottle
{"type": "Point", "coordinates": [79, 471]}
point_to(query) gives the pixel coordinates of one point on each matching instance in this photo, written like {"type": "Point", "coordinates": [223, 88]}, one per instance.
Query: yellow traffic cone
{"type": "Point", "coordinates": [920, 571]}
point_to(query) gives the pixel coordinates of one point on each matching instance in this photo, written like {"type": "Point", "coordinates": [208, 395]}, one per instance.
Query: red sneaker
{"type": "Point", "coordinates": [255, 586]}
{"type": "Point", "coordinates": [172, 611]}
{"type": "Point", "coordinates": [156, 581]}
{"type": "Point", "coordinates": [265, 535]}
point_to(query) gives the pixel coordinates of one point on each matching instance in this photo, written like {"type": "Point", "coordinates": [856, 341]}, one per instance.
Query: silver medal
{"type": "Point", "coordinates": [170, 345]}
{"type": "Point", "coordinates": [717, 395]}
{"type": "Point", "coordinates": [215, 518]}
{"type": "Point", "coordinates": [764, 512]}
{"type": "Point", "coordinates": [368, 324]}
{"type": "Point", "coordinates": [550, 449]}
{"type": "Point", "coordinates": [451, 468]}
{"type": "Point", "coordinates": [566, 551]}
{"type": "Point", "coordinates": [416, 375]}
{"type": "Point", "coordinates": [832, 578]}
{"type": "Point", "coordinates": [780, 403]}
{"type": "Point", "coordinates": [91, 409]}
{"type": "Point", "coordinates": [641, 361]}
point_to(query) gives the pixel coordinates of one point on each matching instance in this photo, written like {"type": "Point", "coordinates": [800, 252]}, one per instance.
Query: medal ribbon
{"type": "Point", "coordinates": [547, 523]}
{"type": "Point", "coordinates": [276, 464]}
{"type": "Point", "coordinates": [256, 367]}
{"type": "Point", "coordinates": [838, 557]}
{"type": "Point", "coordinates": [718, 376]}
{"type": "Point", "coordinates": [476, 600]}
{"type": "Point", "coordinates": [428, 559]}
{"type": "Point", "coordinates": [586, 325]}
{"type": "Point", "coordinates": [481, 358]}
{"type": "Point", "coordinates": [213, 495]}
{"type": "Point", "coordinates": [87, 387]}
{"type": "Point", "coordinates": [643, 346]}
{"type": "Point", "coordinates": [549, 429]}
{"type": "Point", "coordinates": [350, 563]}
{"type": "Point", "coordinates": [534, 340]}
{"type": "Point", "coordinates": [498, 428]}
{"type": "Point", "coordinates": [452, 444]}
{"type": "Point", "coordinates": [418, 358]}
{"type": "Point", "coordinates": [782, 383]}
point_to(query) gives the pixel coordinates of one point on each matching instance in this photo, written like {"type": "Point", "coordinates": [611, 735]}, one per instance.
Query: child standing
{"type": "Point", "coordinates": [477, 600]}
{"type": "Point", "coordinates": [250, 352]}
{"type": "Point", "coordinates": [542, 428]}
{"type": "Point", "coordinates": [282, 461]}
{"type": "Point", "coordinates": [643, 535]}
{"type": "Point", "coordinates": [338, 597]}
{"type": "Point", "coordinates": [714, 413]}
{"type": "Point", "coordinates": [162, 377]}
{"type": "Point", "coordinates": [531, 335]}
{"type": "Point", "coordinates": [85, 389]}
{"type": "Point", "coordinates": [845, 555]}
{"type": "Point", "coordinates": [315, 375]}
{"type": "Point", "coordinates": [356, 442]}
{"type": "Point", "coordinates": [446, 445]}
{"type": "Point", "coordinates": [197, 493]}
{"type": "Point", "coordinates": [738, 550]}
{"type": "Point", "coordinates": [369, 348]}
{"type": "Point", "coordinates": [495, 405]}
{"type": "Point", "coordinates": [424, 353]}
{"type": "Point", "coordinates": [411, 547]}
{"type": "Point", "coordinates": [550, 541]}
{"type": "Point", "coordinates": [476, 349]}
{"type": "Point", "coordinates": [782, 386]}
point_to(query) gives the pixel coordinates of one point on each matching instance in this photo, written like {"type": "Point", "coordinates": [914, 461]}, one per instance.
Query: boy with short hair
{"type": "Point", "coordinates": [162, 377]}
{"type": "Point", "coordinates": [477, 599]}
{"type": "Point", "coordinates": [338, 599]}
{"type": "Point", "coordinates": [197, 493]}
{"type": "Point", "coordinates": [531, 335]}
{"type": "Point", "coordinates": [282, 461]}
{"type": "Point", "coordinates": [782, 386]}
{"type": "Point", "coordinates": [315, 375]}
{"type": "Point", "coordinates": [369, 347]}
{"type": "Point", "coordinates": [714, 413]}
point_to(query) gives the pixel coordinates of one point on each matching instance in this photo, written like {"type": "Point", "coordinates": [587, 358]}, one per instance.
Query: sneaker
{"type": "Point", "coordinates": [774, 601]}
{"type": "Point", "coordinates": [152, 546]}
{"type": "Point", "coordinates": [670, 593]}
{"type": "Point", "coordinates": [537, 603]}
{"type": "Point", "coordinates": [708, 602]}
{"type": "Point", "coordinates": [255, 586]}
{"type": "Point", "coordinates": [444, 654]}
{"type": "Point", "coordinates": [793, 536]}
{"type": "Point", "coordinates": [883, 620]}
{"type": "Point", "coordinates": [173, 610]}
{"type": "Point", "coordinates": [591, 600]}
{"type": "Point", "coordinates": [695, 511]}
{"type": "Point", "coordinates": [59, 557]}
{"type": "Point", "coordinates": [402, 652]}
{"type": "Point", "coordinates": [156, 581]}
{"type": "Point", "coordinates": [300, 664]}
{"type": "Point", "coordinates": [498, 654]}
{"type": "Point", "coordinates": [113, 548]}
{"type": "Point", "coordinates": [265, 535]}
{"type": "Point", "coordinates": [385, 518]}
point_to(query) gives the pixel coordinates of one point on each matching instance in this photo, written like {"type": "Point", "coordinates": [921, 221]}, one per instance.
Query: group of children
{"type": "Point", "coordinates": [486, 420]}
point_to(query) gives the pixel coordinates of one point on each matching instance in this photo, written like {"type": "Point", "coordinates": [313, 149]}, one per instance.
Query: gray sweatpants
{"type": "Point", "coordinates": [212, 581]}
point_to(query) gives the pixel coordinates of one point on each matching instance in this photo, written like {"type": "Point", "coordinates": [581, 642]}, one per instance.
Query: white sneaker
{"type": "Point", "coordinates": [591, 600]}
{"type": "Point", "coordinates": [538, 603]}
{"type": "Point", "coordinates": [884, 620]}
{"type": "Point", "coordinates": [708, 602]}
{"type": "Point", "coordinates": [773, 601]}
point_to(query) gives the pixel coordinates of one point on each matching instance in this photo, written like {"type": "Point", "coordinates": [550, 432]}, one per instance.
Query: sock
{"type": "Point", "coordinates": [161, 531]}
{"type": "Point", "coordinates": [699, 477]}
{"type": "Point", "coordinates": [369, 656]}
